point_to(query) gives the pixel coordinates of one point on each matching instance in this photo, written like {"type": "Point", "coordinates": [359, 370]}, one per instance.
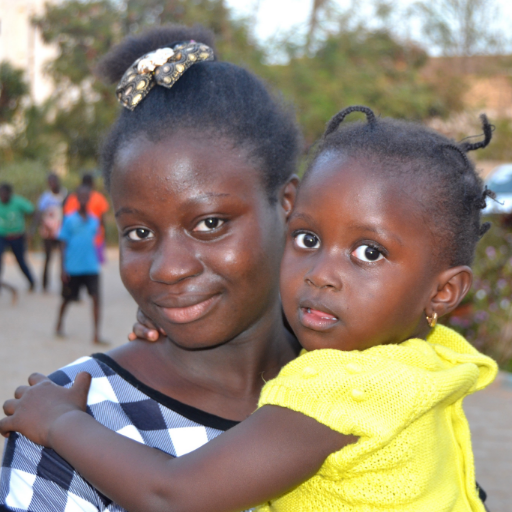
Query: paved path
{"type": "Point", "coordinates": [27, 344]}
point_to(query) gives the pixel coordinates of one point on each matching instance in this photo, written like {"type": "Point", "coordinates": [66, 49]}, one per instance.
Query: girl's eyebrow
{"type": "Point", "coordinates": [196, 199]}
{"type": "Point", "coordinates": [128, 210]}
{"type": "Point", "coordinates": [207, 195]}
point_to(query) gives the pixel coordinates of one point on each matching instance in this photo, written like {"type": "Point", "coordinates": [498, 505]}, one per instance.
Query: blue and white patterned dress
{"type": "Point", "coordinates": [36, 479]}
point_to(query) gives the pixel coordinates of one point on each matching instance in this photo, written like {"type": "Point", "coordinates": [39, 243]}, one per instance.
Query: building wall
{"type": "Point", "coordinates": [21, 44]}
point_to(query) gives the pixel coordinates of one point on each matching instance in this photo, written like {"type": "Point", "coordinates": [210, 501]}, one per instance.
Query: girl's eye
{"type": "Point", "coordinates": [209, 224]}
{"type": "Point", "coordinates": [139, 234]}
{"type": "Point", "coordinates": [368, 253]}
{"type": "Point", "coordinates": [307, 241]}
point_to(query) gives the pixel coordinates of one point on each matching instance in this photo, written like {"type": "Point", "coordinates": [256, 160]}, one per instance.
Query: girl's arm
{"type": "Point", "coordinates": [271, 452]}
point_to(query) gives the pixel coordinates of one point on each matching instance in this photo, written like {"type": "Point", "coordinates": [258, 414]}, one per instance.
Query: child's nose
{"type": "Point", "coordinates": [325, 272]}
{"type": "Point", "coordinates": [174, 261]}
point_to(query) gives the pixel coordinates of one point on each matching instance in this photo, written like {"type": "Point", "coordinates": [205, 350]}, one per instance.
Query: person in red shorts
{"type": "Point", "coordinates": [80, 264]}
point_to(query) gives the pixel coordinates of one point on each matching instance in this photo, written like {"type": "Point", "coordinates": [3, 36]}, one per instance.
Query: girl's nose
{"type": "Point", "coordinates": [174, 261]}
{"type": "Point", "coordinates": [325, 272]}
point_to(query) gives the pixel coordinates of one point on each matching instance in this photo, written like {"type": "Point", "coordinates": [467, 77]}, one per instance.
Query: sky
{"type": "Point", "coordinates": [276, 15]}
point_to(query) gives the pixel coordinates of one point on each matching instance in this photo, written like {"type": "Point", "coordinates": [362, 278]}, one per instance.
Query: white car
{"type": "Point", "coordinates": [500, 182]}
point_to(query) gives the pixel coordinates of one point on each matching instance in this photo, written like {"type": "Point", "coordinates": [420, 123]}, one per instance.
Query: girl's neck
{"type": "Point", "coordinates": [225, 380]}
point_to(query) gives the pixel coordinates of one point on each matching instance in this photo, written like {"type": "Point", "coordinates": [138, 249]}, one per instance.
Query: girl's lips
{"type": "Point", "coordinates": [190, 313]}
{"type": "Point", "coordinates": [316, 319]}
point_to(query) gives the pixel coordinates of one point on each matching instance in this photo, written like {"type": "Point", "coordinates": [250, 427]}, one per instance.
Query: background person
{"type": "Point", "coordinates": [13, 209]}
{"type": "Point", "coordinates": [49, 218]}
{"type": "Point", "coordinates": [80, 264]}
{"type": "Point", "coordinates": [97, 207]}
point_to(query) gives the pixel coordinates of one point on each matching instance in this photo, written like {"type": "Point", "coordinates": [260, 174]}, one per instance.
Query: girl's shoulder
{"type": "Point", "coordinates": [121, 402]}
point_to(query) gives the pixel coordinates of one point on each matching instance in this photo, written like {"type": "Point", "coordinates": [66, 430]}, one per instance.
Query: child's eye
{"type": "Point", "coordinates": [209, 224]}
{"type": "Point", "coordinates": [368, 253]}
{"type": "Point", "coordinates": [140, 234]}
{"type": "Point", "coordinates": [307, 241]}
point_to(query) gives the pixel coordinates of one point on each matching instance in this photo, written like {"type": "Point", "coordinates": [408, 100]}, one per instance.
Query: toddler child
{"type": "Point", "coordinates": [369, 417]}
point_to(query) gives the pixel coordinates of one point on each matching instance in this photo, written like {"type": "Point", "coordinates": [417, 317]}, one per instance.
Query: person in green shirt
{"type": "Point", "coordinates": [13, 209]}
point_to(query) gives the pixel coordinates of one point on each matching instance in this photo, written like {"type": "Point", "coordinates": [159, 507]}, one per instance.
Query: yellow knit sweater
{"type": "Point", "coordinates": [404, 402]}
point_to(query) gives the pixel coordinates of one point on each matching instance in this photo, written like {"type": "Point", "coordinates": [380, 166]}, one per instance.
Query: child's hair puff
{"type": "Point", "coordinates": [213, 98]}
{"type": "Point", "coordinates": [447, 185]}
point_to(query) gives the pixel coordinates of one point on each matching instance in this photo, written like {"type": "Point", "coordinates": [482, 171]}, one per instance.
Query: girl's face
{"type": "Point", "coordinates": [200, 243]}
{"type": "Point", "coordinates": [357, 268]}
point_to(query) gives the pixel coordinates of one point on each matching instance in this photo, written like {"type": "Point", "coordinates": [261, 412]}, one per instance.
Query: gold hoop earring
{"type": "Point", "coordinates": [432, 320]}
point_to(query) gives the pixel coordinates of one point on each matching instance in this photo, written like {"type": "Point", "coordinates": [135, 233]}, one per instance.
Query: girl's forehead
{"type": "Point", "coordinates": [181, 167]}
{"type": "Point", "coordinates": [184, 157]}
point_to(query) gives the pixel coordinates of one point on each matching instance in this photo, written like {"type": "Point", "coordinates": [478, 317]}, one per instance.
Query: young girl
{"type": "Point", "coordinates": [370, 416]}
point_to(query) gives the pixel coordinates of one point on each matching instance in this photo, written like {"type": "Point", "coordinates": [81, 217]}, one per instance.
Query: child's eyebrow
{"type": "Point", "coordinates": [375, 229]}
{"type": "Point", "coordinates": [303, 216]}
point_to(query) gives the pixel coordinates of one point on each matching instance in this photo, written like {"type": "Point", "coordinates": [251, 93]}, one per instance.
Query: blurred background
{"type": "Point", "coordinates": [440, 62]}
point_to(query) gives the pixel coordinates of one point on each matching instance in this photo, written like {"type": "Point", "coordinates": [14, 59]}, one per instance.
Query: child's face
{"type": "Point", "coordinates": [200, 242]}
{"type": "Point", "coordinates": [357, 268]}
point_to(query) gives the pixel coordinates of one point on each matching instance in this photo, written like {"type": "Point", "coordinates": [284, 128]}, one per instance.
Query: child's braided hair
{"type": "Point", "coordinates": [451, 193]}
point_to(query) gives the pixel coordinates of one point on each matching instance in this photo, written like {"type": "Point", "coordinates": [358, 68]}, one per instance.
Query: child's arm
{"type": "Point", "coordinates": [271, 452]}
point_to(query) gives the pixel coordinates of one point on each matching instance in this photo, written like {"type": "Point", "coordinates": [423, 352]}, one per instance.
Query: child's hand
{"type": "Point", "coordinates": [36, 408]}
{"type": "Point", "coordinates": [145, 329]}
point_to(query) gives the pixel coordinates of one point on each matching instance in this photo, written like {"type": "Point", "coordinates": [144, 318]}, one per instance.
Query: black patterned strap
{"type": "Point", "coordinates": [162, 67]}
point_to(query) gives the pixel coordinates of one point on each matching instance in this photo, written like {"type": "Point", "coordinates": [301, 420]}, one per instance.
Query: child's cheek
{"type": "Point", "coordinates": [290, 281]}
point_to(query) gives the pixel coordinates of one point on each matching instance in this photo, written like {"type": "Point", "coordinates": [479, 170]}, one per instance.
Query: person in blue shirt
{"type": "Point", "coordinates": [80, 264]}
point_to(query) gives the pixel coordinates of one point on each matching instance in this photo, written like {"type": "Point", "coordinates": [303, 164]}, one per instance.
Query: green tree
{"type": "Point", "coordinates": [12, 90]}
{"type": "Point", "coordinates": [460, 27]}
{"type": "Point", "coordinates": [359, 66]}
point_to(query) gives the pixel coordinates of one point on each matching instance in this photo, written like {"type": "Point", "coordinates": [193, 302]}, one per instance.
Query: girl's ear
{"type": "Point", "coordinates": [452, 286]}
{"type": "Point", "coordinates": [288, 195]}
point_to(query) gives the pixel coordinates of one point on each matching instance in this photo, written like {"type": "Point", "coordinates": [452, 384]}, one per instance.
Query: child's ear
{"type": "Point", "coordinates": [288, 194]}
{"type": "Point", "coordinates": [452, 286]}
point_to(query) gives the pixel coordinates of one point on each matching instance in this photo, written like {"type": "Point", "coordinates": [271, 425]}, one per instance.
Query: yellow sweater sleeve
{"type": "Point", "coordinates": [375, 394]}
{"type": "Point", "coordinates": [349, 392]}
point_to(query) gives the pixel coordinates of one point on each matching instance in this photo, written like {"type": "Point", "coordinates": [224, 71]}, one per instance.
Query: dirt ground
{"type": "Point", "coordinates": [27, 344]}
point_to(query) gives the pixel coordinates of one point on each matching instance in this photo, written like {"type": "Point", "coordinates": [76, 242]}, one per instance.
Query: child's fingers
{"type": "Point", "coordinates": [10, 406]}
{"type": "Point", "coordinates": [36, 378]}
{"type": "Point", "coordinates": [143, 332]}
{"type": "Point", "coordinates": [20, 391]}
{"type": "Point", "coordinates": [6, 426]}
{"type": "Point", "coordinates": [81, 386]}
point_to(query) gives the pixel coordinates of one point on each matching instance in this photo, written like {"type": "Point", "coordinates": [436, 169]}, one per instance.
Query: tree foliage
{"type": "Point", "coordinates": [460, 27]}
{"type": "Point", "coordinates": [12, 90]}
{"type": "Point", "coordinates": [359, 66]}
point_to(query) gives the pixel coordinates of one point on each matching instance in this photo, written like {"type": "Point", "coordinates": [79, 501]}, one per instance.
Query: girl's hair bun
{"type": "Point", "coordinates": [113, 65]}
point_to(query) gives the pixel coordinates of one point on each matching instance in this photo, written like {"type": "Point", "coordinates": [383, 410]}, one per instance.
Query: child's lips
{"type": "Point", "coordinates": [189, 313]}
{"type": "Point", "coordinates": [316, 319]}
